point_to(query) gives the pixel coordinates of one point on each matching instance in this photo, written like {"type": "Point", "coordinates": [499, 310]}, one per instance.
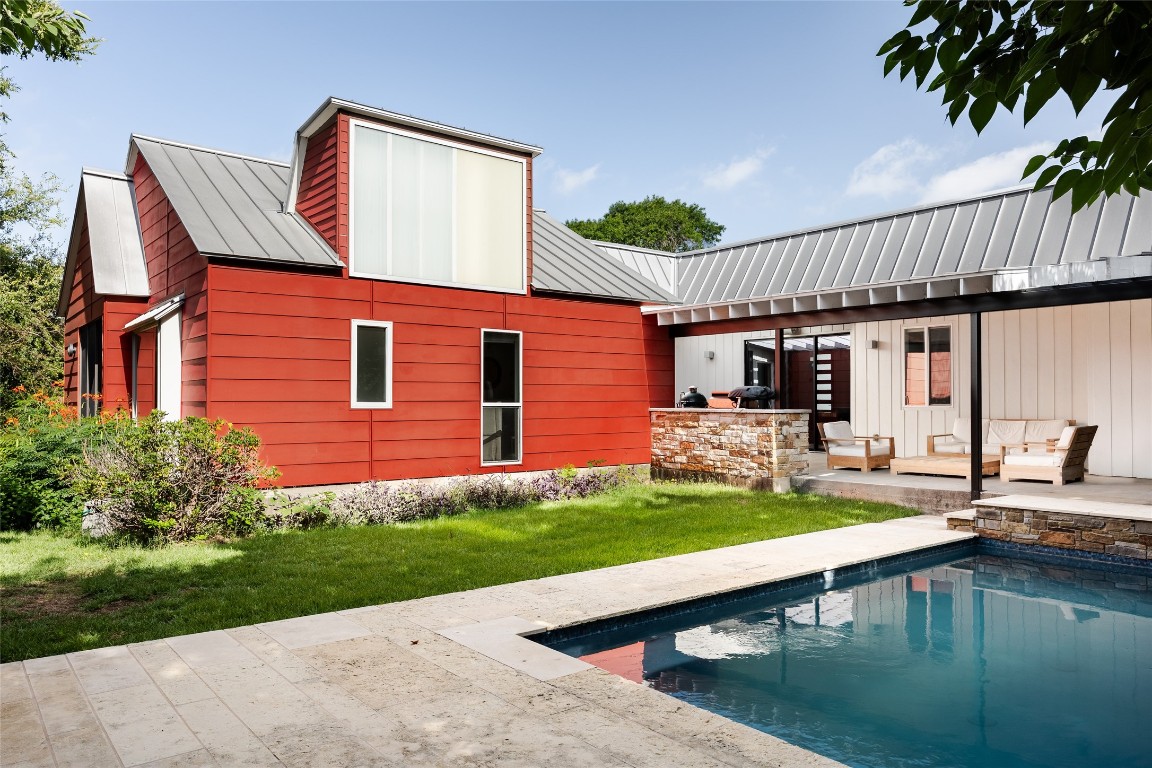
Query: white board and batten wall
{"type": "Point", "coordinates": [1090, 362]}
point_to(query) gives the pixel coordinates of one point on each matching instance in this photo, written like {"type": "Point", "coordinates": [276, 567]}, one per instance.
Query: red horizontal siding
{"type": "Point", "coordinates": [316, 199]}
{"type": "Point", "coordinates": [280, 354]}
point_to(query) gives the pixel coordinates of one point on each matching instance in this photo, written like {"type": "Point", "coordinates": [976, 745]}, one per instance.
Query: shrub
{"type": "Point", "coordinates": [164, 481]}
{"type": "Point", "coordinates": [40, 439]}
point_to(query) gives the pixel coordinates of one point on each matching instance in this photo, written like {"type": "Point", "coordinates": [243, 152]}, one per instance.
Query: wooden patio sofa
{"type": "Point", "coordinates": [1059, 464]}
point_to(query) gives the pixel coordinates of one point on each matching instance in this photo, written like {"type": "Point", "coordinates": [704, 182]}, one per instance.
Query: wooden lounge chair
{"type": "Point", "coordinates": [846, 450]}
{"type": "Point", "coordinates": [1060, 463]}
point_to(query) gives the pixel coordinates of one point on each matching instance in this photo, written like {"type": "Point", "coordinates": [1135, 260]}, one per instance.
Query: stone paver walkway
{"type": "Point", "coordinates": [444, 680]}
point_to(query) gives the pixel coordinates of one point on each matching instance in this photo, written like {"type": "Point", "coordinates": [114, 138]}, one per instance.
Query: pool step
{"type": "Point", "coordinates": [961, 520]}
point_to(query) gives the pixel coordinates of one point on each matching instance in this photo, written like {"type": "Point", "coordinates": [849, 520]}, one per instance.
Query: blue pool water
{"type": "Point", "coordinates": [983, 660]}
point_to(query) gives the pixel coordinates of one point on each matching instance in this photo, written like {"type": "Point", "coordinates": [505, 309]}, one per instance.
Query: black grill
{"type": "Point", "coordinates": [752, 397]}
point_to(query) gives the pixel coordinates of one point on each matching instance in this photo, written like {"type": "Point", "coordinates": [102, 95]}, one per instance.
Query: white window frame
{"type": "Point", "coordinates": [927, 366]}
{"type": "Point", "coordinates": [352, 271]}
{"type": "Point", "coordinates": [355, 359]}
{"type": "Point", "coordinates": [518, 405]}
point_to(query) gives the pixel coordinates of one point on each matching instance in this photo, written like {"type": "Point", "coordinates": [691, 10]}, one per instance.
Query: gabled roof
{"type": "Point", "coordinates": [232, 205]}
{"type": "Point", "coordinates": [564, 262]}
{"type": "Point", "coordinates": [1015, 229]}
{"type": "Point", "coordinates": [107, 205]}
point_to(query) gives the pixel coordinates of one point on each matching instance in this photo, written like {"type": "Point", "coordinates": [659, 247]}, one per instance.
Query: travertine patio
{"type": "Point", "coordinates": [444, 680]}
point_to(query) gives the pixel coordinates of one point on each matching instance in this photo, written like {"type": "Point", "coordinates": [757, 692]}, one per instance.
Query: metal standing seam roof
{"type": "Point", "coordinates": [657, 267]}
{"type": "Point", "coordinates": [1015, 229]}
{"type": "Point", "coordinates": [564, 262]}
{"type": "Point", "coordinates": [106, 203]}
{"type": "Point", "coordinates": [233, 205]}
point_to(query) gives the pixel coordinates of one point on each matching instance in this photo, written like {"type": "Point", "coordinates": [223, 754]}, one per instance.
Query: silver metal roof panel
{"type": "Point", "coordinates": [1139, 236]}
{"type": "Point", "coordinates": [1003, 231]}
{"type": "Point", "coordinates": [106, 204]}
{"type": "Point", "coordinates": [949, 259]}
{"type": "Point", "coordinates": [657, 267]}
{"type": "Point", "coordinates": [933, 243]}
{"type": "Point", "coordinates": [979, 235]}
{"type": "Point", "coordinates": [1110, 231]}
{"type": "Point", "coordinates": [1082, 234]}
{"type": "Point", "coordinates": [890, 253]}
{"type": "Point", "coordinates": [852, 254]}
{"type": "Point", "coordinates": [232, 205]}
{"type": "Point", "coordinates": [910, 248]}
{"type": "Point", "coordinates": [564, 262]}
{"type": "Point", "coordinates": [1050, 246]}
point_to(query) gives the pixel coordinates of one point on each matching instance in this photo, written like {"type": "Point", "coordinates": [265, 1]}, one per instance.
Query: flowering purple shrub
{"type": "Point", "coordinates": [378, 503]}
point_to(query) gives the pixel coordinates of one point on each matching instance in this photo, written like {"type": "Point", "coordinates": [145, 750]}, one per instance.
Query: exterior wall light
{"type": "Point", "coordinates": [709, 355]}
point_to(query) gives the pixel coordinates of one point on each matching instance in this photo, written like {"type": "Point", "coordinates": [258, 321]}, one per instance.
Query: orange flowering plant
{"type": "Point", "coordinates": [40, 437]}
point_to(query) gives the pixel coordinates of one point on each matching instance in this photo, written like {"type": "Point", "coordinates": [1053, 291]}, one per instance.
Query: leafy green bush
{"type": "Point", "coordinates": [163, 481]}
{"type": "Point", "coordinates": [40, 439]}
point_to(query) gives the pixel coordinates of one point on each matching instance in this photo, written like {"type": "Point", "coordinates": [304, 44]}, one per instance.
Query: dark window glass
{"type": "Point", "coordinates": [371, 364]}
{"type": "Point", "coordinates": [501, 368]}
{"type": "Point", "coordinates": [915, 367]}
{"type": "Point", "coordinates": [92, 368]}
{"type": "Point", "coordinates": [501, 433]}
{"type": "Point", "coordinates": [940, 366]}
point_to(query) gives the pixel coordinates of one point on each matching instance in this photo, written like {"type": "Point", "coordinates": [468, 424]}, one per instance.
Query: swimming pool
{"type": "Point", "coordinates": [967, 657]}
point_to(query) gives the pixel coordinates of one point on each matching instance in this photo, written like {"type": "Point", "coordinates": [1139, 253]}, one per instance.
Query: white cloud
{"type": "Point", "coordinates": [984, 174]}
{"type": "Point", "coordinates": [891, 170]}
{"type": "Point", "coordinates": [569, 181]}
{"type": "Point", "coordinates": [738, 171]}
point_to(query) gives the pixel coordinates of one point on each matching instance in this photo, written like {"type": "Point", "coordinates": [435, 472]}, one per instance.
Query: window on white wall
{"type": "Point", "coordinates": [371, 364]}
{"type": "Point", "coordinates": [928, 365]}
{"type": "Point", "coordinates": [436, 212]}
{"type": "Point", "coordinates": [500, 376]}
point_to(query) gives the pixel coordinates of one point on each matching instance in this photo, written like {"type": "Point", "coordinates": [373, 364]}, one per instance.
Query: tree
{"type": "Point", "coordinates": [993, 53]}
{"type": "Point", "coordinates": [30, 274]}
{"type": "Point", "coordinates": [30, 261]}
{"type": "Point", "coordinates": [653, 222]}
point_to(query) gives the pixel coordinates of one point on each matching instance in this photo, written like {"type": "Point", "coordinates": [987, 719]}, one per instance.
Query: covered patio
{"type": "Point", "coordinates": [936, 494]}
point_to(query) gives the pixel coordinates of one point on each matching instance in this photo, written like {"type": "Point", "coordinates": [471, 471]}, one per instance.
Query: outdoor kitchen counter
{"type": "Point", "coordinates": [753, 448]}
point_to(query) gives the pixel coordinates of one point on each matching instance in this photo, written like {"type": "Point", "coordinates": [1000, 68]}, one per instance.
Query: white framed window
{"type": "Point", "coordinates": [501, 385]}
{"type": "Point", "coordinates": [433, 211]}
{"type": "Point", "coordinates": [371, 364]}
{"type": "Point", "coordinates": [928, 366]}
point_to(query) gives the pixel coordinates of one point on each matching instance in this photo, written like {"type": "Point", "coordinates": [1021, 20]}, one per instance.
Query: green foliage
{"type": "Point", "coordinates": [673, 226]}
{"type": "Point", "coordinates": [30, 273]}
{"type": "Point", "coordinates": [166, 481]}
{"type": "Point", "coordinates": [993, 54]}
{"type": "Point", "coordinates": [40, 439]}
{"type": "Point", "coordinates": [59, 595]}
{"type": "Point", "coordinates": [28, 27]}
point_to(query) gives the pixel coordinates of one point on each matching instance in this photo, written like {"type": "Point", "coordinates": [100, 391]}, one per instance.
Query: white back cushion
{"type": "Point", "coordinates": [1040, 430]}
{"type": "Point", "coordinates": [1065, 440]}
{"type": "Point", "coordinates": [1005, 432]}
{"type": "Point", "coordinates": [838, 430]}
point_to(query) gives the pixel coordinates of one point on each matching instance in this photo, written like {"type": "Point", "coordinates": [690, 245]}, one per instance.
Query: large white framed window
{"type": "Point", "coordinates": [429, 210]}
{"type": "Point", "coordinates": [501, 384]}
{"type": "Point", "coordinates": [371, 364]}
{"type": "Point", "coordinates": [928, 366]}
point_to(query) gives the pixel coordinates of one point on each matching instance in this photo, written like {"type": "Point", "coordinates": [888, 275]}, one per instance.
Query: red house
{"type": "Point", "coordinates": [390, 305]}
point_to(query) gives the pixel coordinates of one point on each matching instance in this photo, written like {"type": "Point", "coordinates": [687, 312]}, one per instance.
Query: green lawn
{"type": "Point", "coordinates": [63, 594]}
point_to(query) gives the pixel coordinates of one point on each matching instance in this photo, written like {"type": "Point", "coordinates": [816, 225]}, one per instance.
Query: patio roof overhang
{"type": "Point", "coordinates": [1113, 279]}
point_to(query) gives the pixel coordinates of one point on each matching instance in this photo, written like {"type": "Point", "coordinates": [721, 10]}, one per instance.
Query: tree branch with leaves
{"type": "Point", "coordinates": [990, 54]}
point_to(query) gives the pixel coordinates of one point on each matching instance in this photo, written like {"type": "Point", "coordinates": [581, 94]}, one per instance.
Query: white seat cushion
{"type": "Point", "coordinates": [962, 430]}
{"type": "Point", "coordinates": [878, 449]}
{"type": "Point", "coordinates": [1034, 460]}
{"type": "Point", "coordinates": [951, 447]}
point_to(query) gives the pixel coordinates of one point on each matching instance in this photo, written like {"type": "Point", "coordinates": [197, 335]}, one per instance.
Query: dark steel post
{"type": "Point", "coordinates": [976, 408]}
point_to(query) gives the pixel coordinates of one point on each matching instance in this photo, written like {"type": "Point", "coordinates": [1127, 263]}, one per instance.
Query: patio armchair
{"type": "Point", "coordinates": [1059, 463]}
{"type": "Point", "coordinates": [846, 450]}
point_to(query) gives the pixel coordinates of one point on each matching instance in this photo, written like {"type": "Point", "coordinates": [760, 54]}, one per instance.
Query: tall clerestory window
{"type": "Point", "coordinates": [429, 210]}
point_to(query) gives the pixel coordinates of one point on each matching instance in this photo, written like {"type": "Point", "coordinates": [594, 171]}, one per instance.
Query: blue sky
{"type": "Point", "coordinates": [774, 116]}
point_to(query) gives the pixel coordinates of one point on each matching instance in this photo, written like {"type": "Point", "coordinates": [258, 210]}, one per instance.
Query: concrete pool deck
{"type": "Point", "coordinates": [444, 680]}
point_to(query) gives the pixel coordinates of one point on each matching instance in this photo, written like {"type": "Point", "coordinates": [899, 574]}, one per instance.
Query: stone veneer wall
{"type": "Point", "coordinates": [1111, 535]}
{"type": "Point", "coordinates": [758, 449]}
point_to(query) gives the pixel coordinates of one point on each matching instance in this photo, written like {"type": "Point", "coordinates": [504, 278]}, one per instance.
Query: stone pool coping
{"type": "Point", "coordinates": [445, 680]}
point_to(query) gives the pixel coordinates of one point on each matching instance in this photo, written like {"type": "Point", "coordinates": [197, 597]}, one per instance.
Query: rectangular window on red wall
{"type": "Point", "coordinates": [501, 381]}
{"type": "Point", "coordinates": [371, 364]}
